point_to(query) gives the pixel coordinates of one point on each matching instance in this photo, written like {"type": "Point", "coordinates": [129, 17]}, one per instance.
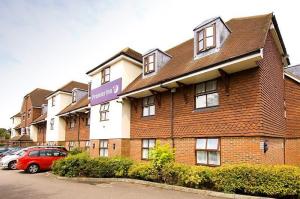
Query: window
{"type": "Point", "coordinates": [206, 94]}
{"type": "Point", "coordinates": [52, 124]}
{"type": "Point", "coordinates": [29, 114]}
{"type": "Point", "coordinates": [148, 106]}
{"type": "Point", "coordinates": [46, 153]}
{"type": "Point", "coordinates": [53, 101]}
{"type": "Point", "coordinates": [104, 112]}
{"type": "Point", "coordinates": [206, 38]}
{"type": "Point", "coordinates": [89, 89]}
{"type": "Point", "coordinates": [34, 153]}
{"type": "Point", "coordinates": [149, 64]}
{"type": "Point", "coordinates": [147, 144]}
{"type": "Point", "coordinates": [23, 116]}
{"type": "Point", "coordinates": [87, 120]}
{"type": "Point", "coordinates": [208, 151]}
{"type": "Point", "coordinates": [71, 145]}
{"type": "Point", "coordinates": [87, 145]}
{"type": "Point", "coordinates": [105, 75]}
{"type": "Point", "coordinates": [72, 123]}
{"type": "Point", "coordinates": [103, 149]}
{"type": "Point", "coordinates": [74, 96]}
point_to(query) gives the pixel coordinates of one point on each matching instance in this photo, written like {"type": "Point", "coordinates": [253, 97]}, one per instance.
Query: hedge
{"type": "Point", "coordinates": [260, 180]}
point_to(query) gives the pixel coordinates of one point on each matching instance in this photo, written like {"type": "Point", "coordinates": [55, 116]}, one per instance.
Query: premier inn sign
{"type": "Point", "coordinates": [106, 92]}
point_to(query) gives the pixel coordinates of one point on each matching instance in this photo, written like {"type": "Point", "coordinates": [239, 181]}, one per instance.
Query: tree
{"type": "Point", "coordinates": [4, 133]}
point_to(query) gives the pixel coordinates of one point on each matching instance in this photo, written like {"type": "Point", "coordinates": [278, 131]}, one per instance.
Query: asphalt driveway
{"type": "Point", "coordinates": [19, 185]}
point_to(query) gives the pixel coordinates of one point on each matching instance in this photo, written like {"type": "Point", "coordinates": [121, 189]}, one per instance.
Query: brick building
{"type": "Point", "coordinates": [32, 107]}
{"type": "Point", "coordinates": [219, 97]}
{"type": "Point", "coordinates": [77, 117]}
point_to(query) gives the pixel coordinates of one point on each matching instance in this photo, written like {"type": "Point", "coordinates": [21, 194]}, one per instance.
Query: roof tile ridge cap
{"type": "Point", "coordinates": [250, 17]}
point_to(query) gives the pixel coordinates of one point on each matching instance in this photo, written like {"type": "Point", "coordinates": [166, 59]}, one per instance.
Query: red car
{"type": "Point", "coordinates": [37, 159]}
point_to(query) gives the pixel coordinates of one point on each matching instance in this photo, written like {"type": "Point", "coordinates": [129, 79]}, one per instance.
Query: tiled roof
{"type": "Point", "coordinates": [21, 138]}
{"type": "Point", "coordinates": [247, 36]}
{"type": "Point", "coordinates": [38, 96]}
{"type": "Point", "coordinates": [16, 115]}
{"type": "Point", "coordinates": [127, 52]}
{"type": "Point", "coordinates": [40, 119]}
{"type": "Point", "coordinates": [70, 86]}
{"type": "Point", "coordinates": [84, 102]}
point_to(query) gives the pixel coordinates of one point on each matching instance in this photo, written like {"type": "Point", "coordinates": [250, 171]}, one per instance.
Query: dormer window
{"type": "Point", "coordinates": [149, 64]}
{"type": "Point", "coordinates": [74, 97]}
{"type": "Point", "coordinates": [206, 38]}
{"type": "Point", "coordinates": [105, 75]}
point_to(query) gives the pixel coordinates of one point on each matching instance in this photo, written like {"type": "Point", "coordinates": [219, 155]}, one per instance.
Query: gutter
{"type": "Point", "coordinates": [292, 77]}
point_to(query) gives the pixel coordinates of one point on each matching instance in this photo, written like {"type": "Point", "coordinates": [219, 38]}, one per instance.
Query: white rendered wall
{"type": "Point", "coordinates": [33, 132]}
{"type": "Point", "coordinates": [118, 125]}
{"type": "Point", "coordinates": [15, 121]}
{"type": "Point", "coordinates": [58, 133]}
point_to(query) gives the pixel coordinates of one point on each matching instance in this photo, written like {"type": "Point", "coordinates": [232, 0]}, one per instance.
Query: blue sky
{"type": "Point", "coordinates": [46, 43]}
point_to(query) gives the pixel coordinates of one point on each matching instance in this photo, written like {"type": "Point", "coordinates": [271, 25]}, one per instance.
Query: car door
{"type": "Point", "coordinates": [45, 159]}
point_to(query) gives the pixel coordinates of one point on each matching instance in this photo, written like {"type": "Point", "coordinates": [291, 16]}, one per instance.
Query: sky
{"type": "Point", "coordinates": [47, 43]}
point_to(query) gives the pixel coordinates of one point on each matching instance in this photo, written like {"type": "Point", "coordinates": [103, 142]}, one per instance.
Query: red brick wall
{"type": "Point", "coordinates": [35, 112]}
{"type": "Point", "coordinates": [292, 152]}
{"type": "Point", "coordinates": [80, 127]}
{"type": "Point", "coordinates": [292, 100]}
{"type": "Point", "coordinates": [233, 150]}
{"type": "Point", "coordinates": [272, 90]}
{"type": "Point", "coordinates": [116, 147]}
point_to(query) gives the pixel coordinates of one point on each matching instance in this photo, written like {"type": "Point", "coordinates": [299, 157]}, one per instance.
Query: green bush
{"type": "Point", "coordinates": [143, 171]}
{"type": "Point", "coordinates": [75, 151]}
{"type": "Point", "coordinates": [262, 180]}
{"type": "Point", "coordinates": [82, 165]}
{"type": "Point", "coordinates": [161, 156]}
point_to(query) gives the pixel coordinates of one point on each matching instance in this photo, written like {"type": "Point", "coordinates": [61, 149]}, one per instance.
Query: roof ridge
{"type": "Point", "coordinates": [250, 17]}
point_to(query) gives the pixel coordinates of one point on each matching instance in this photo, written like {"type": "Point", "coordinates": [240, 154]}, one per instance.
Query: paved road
{"type": "Point", "coordinates": [19, 185]}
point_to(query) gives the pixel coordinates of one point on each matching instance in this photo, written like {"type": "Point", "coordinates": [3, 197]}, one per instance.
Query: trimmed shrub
{"type": "Point", "coordinates": [262, 180]}
{"type": "Point", "coordinates": [143, 171]}
{"type": "Point", "coordinates": [75, 151]}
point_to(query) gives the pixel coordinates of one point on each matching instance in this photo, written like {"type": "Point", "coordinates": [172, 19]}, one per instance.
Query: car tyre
{"type": "Point", "coordinates": [33, 168]}
{"type": "Point", "coordinates": [12, 165]}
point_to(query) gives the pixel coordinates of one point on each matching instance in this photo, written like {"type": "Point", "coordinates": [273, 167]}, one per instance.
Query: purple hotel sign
{"type": "Point", "coordinates": [106, 92]}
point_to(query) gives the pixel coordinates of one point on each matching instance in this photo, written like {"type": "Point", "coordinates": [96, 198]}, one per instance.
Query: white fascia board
{"type": "Point", "coordinates": [74, 111]}
{"type": "Point", "coordinates": [259, 54]}
{"type": "Point", "coordinates": [114, 61]}
{"type": "Point", "coordinates": [57, 93]}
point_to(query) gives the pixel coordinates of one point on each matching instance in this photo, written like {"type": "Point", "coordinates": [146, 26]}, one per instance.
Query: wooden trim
{"type": "Point", "coordinates": [142, 147]}
{"type": "Point", "coordinates": [147, 63]}
{"type": "Point", "coordinates": [205, 48]}
{"type": "Point", "coordinates": [103, 75]}
{"type": "Point", "coordinates": [205, 93]}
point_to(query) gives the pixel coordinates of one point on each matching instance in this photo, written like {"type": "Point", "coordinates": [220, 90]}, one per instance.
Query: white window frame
{"type": "Point", "coordinates": [146, 147]}
{"type": "Point", "coordinates": [104, 112]}
{"type": "Point", "coordinates": [52, 124]}
{"type": "Point", "coordinates": [148, 106]}
{"type": "Point", "coordinates": [208, 150]}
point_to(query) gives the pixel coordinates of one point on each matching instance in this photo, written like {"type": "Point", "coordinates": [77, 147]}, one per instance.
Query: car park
{"type": "Point", "coordinates": [10, 151]}
{"type": "Point", "coordinates": [38, 159]}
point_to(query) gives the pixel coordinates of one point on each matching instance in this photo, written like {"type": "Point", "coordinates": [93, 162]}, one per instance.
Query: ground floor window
{"type": "Point", "coordinates": [147, 144]}
{"type": "Point", "coordinates": [71, 145]}
{"type": "Point", "coordinates": [87, 145]}
{"type": "Point", "coordinates": [103, 149]}
{"type": "Point", "coordinates": [208, 151]}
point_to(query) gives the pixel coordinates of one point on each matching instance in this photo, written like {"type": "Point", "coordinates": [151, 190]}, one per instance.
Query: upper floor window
{"type": "Point", "coordinates": [208, 151]}
{"type": "Point", "coordinates": [74, 97]}
{"type": "Point", "coordinates": [104, 111]}
{"type": "Point", "coordinates": [87, 120]}
{"type": "Point", "coordinates": [105, 75]}
{"type": "Point", "coordinates": [29, 114]}
{"type": "Point", "coordinates": [206, 38]}
{"type": "Point", "coordinates": [23, 116]}
{"type": "Point", "coordinates": [149, 64]}
{"type": "Point", "coordinates": [206, 94]}
{"type": "Point", "coordinates": [148, 106]}
{"type": "Point", "coordinates": [53, 101]}
{"type": "Point", "coordinates": [72, 123]}
{"type": "Point", "coordinates": [52, 124]}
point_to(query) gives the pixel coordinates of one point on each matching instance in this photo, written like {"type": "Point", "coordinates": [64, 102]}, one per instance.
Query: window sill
{"type": "Point", "coordinates": [208, 165]}
{"type": "Point", "coordinates": [206, 109]}
{"type": "Point", "coordinates": [148, 117]}
{"type": "Point", "coordinates": [147, 73]}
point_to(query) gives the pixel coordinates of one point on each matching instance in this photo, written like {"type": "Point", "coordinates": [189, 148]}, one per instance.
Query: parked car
{"type": "Point", "coordinates": [37, 159]}
{"type": "Point", "coordinates": [10, 161]}
{"type": "Point", "coordinates": [3, 149]}
{"type": "Point", "coordinates": [10, 151]}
